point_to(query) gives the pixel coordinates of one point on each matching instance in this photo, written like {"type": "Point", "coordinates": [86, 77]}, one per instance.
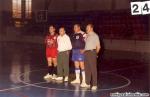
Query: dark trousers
{"type": "Point", "coordinates": [63, 64]}
{"type": "Point", "coordinates": [91, 67]}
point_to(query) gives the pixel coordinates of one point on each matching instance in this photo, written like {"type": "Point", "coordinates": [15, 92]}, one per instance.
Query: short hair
{"type": "Point", "coordinates": [62, 27]}
{"type": "Point", "coordinates": [91, 25]}
{"type": "Point", "coordinates": [52, 26]}
{"type": "Point", "coordinates": [77, 25]}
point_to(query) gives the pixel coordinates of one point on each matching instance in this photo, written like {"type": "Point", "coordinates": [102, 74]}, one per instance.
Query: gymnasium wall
{"type": "Point", "coordinates": [140, 46]}
{"type": "Point", "coordinates": [73, 5]}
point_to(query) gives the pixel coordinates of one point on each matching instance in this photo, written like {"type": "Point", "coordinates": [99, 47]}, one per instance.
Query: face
{"type": "Point", "coordinates": [61, 31]}
{"type": "Point", "coordinates": [76, 28]}
{"type": "Point", "coordinates": [51, 30]}
{"type": "Point", "coordinates": [88, 29]}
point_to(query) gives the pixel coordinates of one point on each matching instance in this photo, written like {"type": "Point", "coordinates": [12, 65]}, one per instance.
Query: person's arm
{"type": "Point", "coordinates": [69, 43]}
{"type": "Point", "coordinates": [84, 40]}
{"type": "Point", "coordinates": [83, 50]}
{"type": "Point", "coordinates": [84, 37]}
{"type": "Point", "coordinates": [98, 46]}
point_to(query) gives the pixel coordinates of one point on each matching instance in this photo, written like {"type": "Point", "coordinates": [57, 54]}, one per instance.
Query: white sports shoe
{"type": "Point", "coordinates": [76, 81]}
{"type": "Point", "coordinates": [54, 76]}
{"type": "Point", "coordinates": [59, 78]}
{"type": "Point", "coordinates": [66, 79]}
{"type": "Point", "coordinates": [94, 88]}
{"type": "Point", "coordinates": [84, 85]}
{"type": "Point", "coordinates": [47, 76]}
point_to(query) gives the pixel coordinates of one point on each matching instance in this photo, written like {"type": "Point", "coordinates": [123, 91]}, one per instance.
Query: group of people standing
{"type": "Point", "coordinates": [84, 45]}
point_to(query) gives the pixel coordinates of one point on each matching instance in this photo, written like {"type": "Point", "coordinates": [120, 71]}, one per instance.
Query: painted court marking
{"type": "Point", "coordinates": [37, 84]}
{"type": "Point", "coordinates": [8, 89]}
{"type": "Point", "coordinates": [60, 89]}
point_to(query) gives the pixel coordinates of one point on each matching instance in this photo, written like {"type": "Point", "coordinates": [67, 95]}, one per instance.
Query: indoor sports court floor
{"type": "Point", "coordinates": [23, 65]}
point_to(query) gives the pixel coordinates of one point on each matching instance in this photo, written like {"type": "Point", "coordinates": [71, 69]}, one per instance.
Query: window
{"type": "Point", "coordinates": [28, 8]}
{"type": "Point", "coordinates": [17, 8]}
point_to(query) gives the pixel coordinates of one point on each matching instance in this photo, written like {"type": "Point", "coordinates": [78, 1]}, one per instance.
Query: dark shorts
{"type": "Point", "coordinates": [77, 55]}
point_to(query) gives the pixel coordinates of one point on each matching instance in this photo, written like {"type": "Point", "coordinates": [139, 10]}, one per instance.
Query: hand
{"type": "Point", "coordinates": [68, 52]}
{"type": "Point", "coordinates": [82, 51]}
{"type": "Point", "coordinates": [51, 41]}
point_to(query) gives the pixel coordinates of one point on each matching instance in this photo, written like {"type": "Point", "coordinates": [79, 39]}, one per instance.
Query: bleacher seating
{"type": "Point", "coordinates": [114, 25]}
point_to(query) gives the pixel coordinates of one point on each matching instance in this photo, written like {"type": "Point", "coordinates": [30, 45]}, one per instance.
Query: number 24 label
{"type": "Point", "coordinates": [138, 8]}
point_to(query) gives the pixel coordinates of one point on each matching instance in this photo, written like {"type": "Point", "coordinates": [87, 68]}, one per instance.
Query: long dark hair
{"type": "Point", "coordinates": [53, 27]}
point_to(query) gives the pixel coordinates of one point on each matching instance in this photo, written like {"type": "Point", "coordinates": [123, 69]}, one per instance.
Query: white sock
{"type": "Point", "coordinates": [77, 71]}
{"type": "Point", "coordinates": [83, 76]}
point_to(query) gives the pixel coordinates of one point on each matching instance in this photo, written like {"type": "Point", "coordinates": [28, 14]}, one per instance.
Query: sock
{"type": "Point", "coordinates": [55, 70]}
{"type": "Point", "coordinates": [83, 75]}
{"type": "Point", "coordinates": [50, 70]}
{"type": "Point", "coordinates": [77, 71]}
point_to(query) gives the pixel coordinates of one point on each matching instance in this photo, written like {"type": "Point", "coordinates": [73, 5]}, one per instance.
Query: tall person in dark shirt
{"type": "Point", "coordinates": [78, 44]}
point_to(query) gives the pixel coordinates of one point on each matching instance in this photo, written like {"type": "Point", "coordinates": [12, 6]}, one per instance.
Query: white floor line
{"type": "Point", "coordinates": [119, 87]}
{"type": "Point", "coordinates": [36, 84]}
{"type": "Point", "coordinates": [17, 87]}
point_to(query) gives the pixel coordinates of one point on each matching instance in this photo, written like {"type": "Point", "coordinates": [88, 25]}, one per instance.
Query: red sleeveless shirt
{"type": "Point", "coordinates": [51, 41]}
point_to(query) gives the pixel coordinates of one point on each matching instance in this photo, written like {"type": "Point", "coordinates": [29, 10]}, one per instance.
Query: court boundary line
{"type": "Point", "coordinates": [17, 87]}
{"type": "Point", "coordinates": [27, 85]}
{"type": "Point", "coordinates": [127, 84]}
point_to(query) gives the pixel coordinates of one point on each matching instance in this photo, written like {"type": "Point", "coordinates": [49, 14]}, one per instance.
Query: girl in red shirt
{"type": "Point", "coordinates": [51, 53]}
